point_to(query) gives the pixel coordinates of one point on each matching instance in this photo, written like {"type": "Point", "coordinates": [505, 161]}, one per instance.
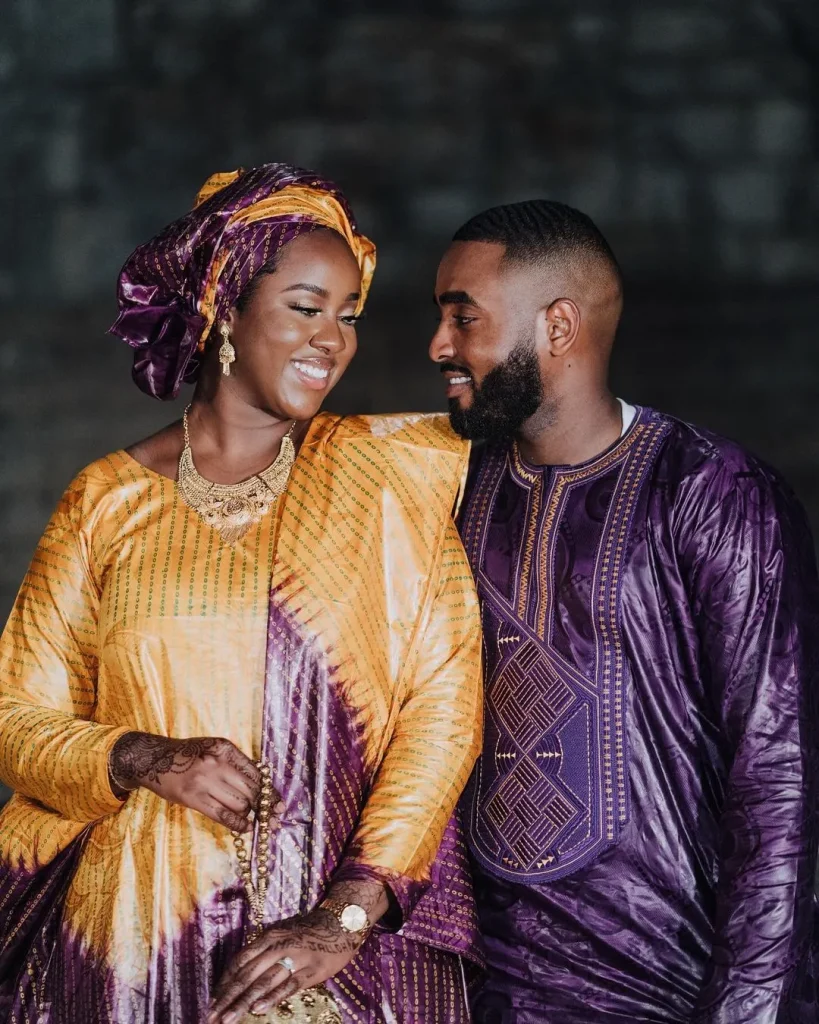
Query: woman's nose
{"type": "Point", "coordinates": [329, 338]}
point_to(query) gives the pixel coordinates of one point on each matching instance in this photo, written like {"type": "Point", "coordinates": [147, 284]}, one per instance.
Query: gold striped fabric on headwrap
{"type": "Point", "coordinates": [174, 288]}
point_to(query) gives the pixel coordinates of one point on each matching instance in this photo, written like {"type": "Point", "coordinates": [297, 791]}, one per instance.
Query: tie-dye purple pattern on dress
{"type": "Point", "coordinates": [48, 975]}
{"type": "Point", "coordinates": [31, 906]}
{"type": "Point", "coordinates": [418, 976]}
{"type": "Point", "coordinates": [316, 751]}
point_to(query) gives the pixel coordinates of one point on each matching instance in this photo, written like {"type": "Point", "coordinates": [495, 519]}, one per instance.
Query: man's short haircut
{"type": "Point", "coordinates": [542, 232]}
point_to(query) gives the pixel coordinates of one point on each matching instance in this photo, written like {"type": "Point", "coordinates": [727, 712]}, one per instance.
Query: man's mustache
{"type": "Point", "coordinates": [453, 368]}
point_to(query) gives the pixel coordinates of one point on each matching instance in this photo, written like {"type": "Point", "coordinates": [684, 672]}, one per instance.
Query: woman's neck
{"type": "Point", "coordinates": [232, 439]}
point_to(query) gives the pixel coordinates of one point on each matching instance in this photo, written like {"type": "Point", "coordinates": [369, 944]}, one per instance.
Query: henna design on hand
{"type": "Point", "coordinates": [140, 757]}
{"type": "Point", "coordinates": [317, 942]}
{"type": "Point", "coordinates": [208, 774]}
{"type": "Point", "coordinates": [319, 931]}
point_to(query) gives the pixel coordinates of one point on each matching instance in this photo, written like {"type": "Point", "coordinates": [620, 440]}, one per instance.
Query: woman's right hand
{"type": "Point", "coordinates": [207, 774]}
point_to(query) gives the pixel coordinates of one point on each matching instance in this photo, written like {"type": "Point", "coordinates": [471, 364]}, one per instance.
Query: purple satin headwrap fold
{"type": "Point", "coordinates": [173, 288]}
{"type": "Point", "coordinates": [164, 335]}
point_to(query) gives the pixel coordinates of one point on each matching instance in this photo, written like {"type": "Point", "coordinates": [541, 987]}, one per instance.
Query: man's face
{"type": "Point", "coordinates": [485, 342]}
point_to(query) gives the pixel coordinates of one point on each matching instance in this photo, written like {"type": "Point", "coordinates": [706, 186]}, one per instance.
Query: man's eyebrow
{"type": "Point", "coordinates": [455, 298]}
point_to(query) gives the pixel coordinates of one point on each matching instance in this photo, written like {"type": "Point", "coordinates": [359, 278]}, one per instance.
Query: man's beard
{"type": "Point", "coordinates": [510, 394]}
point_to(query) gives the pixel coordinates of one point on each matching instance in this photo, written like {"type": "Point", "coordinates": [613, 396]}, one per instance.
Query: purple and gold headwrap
{"type": "Point", "coordinates": [173, 289]}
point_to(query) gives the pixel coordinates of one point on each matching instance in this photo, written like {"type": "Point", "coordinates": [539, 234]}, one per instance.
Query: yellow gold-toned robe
{"type": "Point", "coordinates": [356, 674]}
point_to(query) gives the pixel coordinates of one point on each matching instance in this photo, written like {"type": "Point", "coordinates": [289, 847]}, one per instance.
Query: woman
{"type": "Point", "coordinates": [201, 757]}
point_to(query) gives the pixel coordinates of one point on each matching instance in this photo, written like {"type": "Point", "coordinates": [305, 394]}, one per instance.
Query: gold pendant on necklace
{"type": "Point", "coordinates": [232, 509]}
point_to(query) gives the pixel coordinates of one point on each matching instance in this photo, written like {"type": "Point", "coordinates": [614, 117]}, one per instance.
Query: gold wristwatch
{"type": "Point", "coordinates": [352, 918]}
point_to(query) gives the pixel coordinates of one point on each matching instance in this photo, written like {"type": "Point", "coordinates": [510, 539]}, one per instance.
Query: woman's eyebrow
{"type": "Point", "coordinates": [314, 288]}
{"type": "Point", "coordinates": [321, 292]}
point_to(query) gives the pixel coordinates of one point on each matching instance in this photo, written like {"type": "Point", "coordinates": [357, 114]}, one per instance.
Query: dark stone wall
{"type": "Point", "coordinates": [687, 128]}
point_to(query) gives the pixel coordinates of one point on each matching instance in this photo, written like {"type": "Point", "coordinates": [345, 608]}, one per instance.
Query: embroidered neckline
{"type": "Point", "coordinates": [531, 473]}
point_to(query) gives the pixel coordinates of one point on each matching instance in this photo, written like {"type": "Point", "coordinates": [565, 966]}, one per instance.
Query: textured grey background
{"type": "Point", "coordinates": [688, 128]}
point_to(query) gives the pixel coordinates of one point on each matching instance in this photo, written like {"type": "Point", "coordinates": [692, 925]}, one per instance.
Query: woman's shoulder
{"type": "Point", "coordinates": [147, 461]}
{"type": "Point", "coordinates": [116, 469]}
{"type": "Point", "coordinates": [404, 452]}
{"type": "Point", "coordinates": [104, 485]}
{"type": "Point", "coordinates": [159, 453]}
{"type": "Point", "coordinates": [421, 430]}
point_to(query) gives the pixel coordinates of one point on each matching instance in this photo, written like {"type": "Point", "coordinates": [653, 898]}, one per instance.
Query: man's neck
{"type": "Point", "coordinates": [579, 430]}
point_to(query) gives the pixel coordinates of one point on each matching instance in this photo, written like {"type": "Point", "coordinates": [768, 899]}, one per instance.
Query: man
{"type": "Point", "coordinates": [643, 819]}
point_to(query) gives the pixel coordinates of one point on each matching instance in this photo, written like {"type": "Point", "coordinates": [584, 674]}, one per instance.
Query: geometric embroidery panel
{"type": "Point", "coordinates": [528, 812]}
{"type": "Point", "coordinates": [528, 697]}
{"type": "Point", "coordinates": [550, 791]}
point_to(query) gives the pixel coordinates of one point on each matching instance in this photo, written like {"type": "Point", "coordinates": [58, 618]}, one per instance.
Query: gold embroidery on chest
{"type": "Point", "coordinates": [528, 698]}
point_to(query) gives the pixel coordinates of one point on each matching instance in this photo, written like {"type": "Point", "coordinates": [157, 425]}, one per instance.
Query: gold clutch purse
{"type": "Point", "coordinates": [313, 1005]}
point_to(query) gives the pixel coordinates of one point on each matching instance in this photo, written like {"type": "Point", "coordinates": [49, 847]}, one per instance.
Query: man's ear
{"type": "Point", "coordinates": [561, 324]}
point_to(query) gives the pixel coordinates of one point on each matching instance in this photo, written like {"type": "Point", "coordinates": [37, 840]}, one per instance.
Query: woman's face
{"type": "Point", "coordinates": [297, 334]}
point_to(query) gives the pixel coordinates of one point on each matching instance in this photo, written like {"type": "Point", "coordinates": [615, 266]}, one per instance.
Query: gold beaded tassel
{"type": "Point", "coordinates": [257, 893]}
{"type": "Point", "coordinates": [312, 1005]}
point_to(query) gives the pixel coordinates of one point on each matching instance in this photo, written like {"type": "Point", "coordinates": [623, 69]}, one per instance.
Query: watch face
{"type": "Point", "coordinates": [353, 918]}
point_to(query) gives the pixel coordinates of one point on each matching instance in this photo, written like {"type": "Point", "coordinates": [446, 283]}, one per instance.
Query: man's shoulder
{"type": "Point", "coordinates": [699, 470]}
{"type": "Point", "coordinates": [688, 451]}
{"type": "Point", "coordinates": [698, 452]}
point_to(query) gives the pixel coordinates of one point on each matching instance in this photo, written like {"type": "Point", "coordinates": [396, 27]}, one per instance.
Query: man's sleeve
{"type": "Point", "coordinates": [748, 560]}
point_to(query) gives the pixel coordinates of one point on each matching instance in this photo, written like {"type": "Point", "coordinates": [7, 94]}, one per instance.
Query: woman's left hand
{"type": "Point", "coordinates": [316, 943]}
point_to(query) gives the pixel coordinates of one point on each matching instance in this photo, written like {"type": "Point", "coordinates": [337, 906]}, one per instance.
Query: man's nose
{"type": "Point", "coordinates": [441, 349]}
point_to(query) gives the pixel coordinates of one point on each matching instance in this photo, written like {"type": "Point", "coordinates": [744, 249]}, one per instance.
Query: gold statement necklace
{"type": "Point", "coordinates": [231, 509]}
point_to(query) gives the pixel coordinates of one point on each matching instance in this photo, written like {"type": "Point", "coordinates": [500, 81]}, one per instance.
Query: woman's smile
{"type": "Point", "coordinates": [314, 372]}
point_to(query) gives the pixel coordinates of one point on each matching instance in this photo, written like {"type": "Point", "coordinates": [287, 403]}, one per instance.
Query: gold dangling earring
{"type": "Point", "coordinates": [227, 353]}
